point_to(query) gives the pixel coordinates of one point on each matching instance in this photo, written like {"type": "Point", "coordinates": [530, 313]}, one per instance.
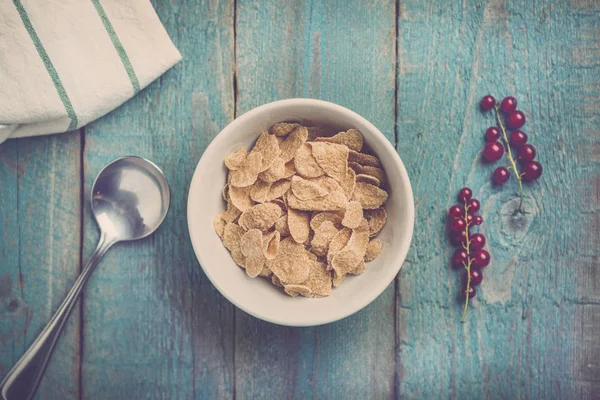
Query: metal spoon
{"type": "Point", "coordinates": [130, 199]}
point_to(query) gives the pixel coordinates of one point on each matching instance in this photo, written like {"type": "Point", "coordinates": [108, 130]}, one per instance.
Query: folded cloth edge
{"type": "Point", "coordinates": [5, 131]}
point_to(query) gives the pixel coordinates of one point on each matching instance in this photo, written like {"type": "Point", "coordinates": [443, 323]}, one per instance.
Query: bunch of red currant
{"type": "Point", "coordinates": [470, 254]}
{"type": "Point", "coordinates": [494, 150]}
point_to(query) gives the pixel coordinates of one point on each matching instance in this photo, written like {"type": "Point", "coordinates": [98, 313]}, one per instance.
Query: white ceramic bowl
{"type": "Point", "coordinates": [258, 296]}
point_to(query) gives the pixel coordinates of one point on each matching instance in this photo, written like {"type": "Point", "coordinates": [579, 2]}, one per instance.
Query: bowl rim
{"type": "Point", "coordinates": [402, 249]}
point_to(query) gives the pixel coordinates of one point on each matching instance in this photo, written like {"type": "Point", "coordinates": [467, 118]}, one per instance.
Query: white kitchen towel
{"type": "Point", "coordinates": [64, 63]}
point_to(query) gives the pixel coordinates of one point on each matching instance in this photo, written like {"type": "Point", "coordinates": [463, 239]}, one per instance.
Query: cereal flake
{"type": "Point", "coordinates": [282, 128]}
{"type": "Point", "coordinates": [370, 196]}
{"type": "Point", "coordinates": [259, 191]}
{"type": "Point", "coordinates": [353, 215]}
{"type": "Point", "coordinates": [368, 179]}
{"type": "Point", "coordinates": [352, 139]}
{"type": "Point", "coordinates": [332, 158]}
{"type": "Point", "coordinates": [275, 172]}
{"type": "Point", "coordinates": [235, 159]}
{"type": "Point", "coordinates": [373, 249]}
{"type": "Point", "coordinates": [319, 244]}
{"type": "Point", "coordinates": [363, 159]}
{"type": "Point", "coordinates": [291, 265]}
{"type": "Point", "coordinates": [232, 234]}
{"type": "Point", "coordinates": [305, 190]}
{"type": "Point", "coordinates": [376, 219]}
{"type": "Point", "coordinates": [261, 217]}
{"type": "Point", "coordinates": [319, 218]}
{"type": "Point", "coordinates": [270, 245]}
{"type": "Point", "coordinates": [219, 224]}
{"type": "Point", "coordinates": [330, 202]}
{"type": "Point", "coordinates": [298, 224]}
{"type": "Point", "coordinates": [247, 173]}
{"type": "Point", "coordinates": [293, 142]}
{"type": "Point", "coordinates": [240, 197]}
{"type": "Point", "coordinates": [251, 246]}
{"type": "Point", "coordinates": [305, 162]}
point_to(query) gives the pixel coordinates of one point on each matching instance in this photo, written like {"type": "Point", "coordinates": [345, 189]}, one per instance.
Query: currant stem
{"type": "Point", "coordinates": [513, 162]}
{"type": "Point", "coordinates": [467, 265]}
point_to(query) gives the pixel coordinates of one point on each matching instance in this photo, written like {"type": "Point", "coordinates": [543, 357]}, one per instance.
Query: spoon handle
{"type": "Point", "coordinates": [23, 379]}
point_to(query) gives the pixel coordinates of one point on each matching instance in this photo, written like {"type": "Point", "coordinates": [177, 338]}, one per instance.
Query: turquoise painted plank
{"type": "Point", "coordinates": [342, 52]}
{"type": "Point", "coordinates": [530, 331]}
{"type": "Point", "coordinates": [154, 326]}
{"type": "Point", "coordinates": [39, 252]}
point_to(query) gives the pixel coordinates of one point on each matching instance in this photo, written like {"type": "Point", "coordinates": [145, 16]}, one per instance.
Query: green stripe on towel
{"type": "Point", "coordinates": [62, 93]}
{"type": "Point", "coordinates": [118, 46]}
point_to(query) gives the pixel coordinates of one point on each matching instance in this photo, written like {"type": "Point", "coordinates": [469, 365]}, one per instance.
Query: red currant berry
{"type": "Point", "coordinates": [493, 151]}
{"type": "Point", "coordinates": [492, 134]}
{"type": "Point", "coordinates": [500, 175]}
{"type": "Point", "coordinates": [459, 238]}
{"type": "Point", "coordinates": [518, 139]}
{"type": "Point", "coordinates": [477, 241]}
{"type": "Point", "coordinates": [515, 119]}
{"type": "Point", "coordinates": [480, 259]}
{"type": "Point", "coordinates": [469, 219]}
{"type": "Point", "coordinates": [458, 224]}
{"type": "Point", "coordinates": [488, 102]}
{"type": "Point", "coordinates": [508, 104]}
{"type": "Point", "coordinates": [532, 171]}
{"type": "Point", "coordinates": [463, 292]}
{"type": "Point", "coordinates": [455, 211]}
{"type": "Point", "coordinates": [474, 206]}
{"type": "Point", "coordinates": [476, 277]}
{"type": "Point", "coordinates": [460, 258]}
{"type": "Point", "coordinates": [527, 153]}
{"type": "Point", "coordinates": [465, 194]}
{"type": "Point", "coordinates": [477, 220]}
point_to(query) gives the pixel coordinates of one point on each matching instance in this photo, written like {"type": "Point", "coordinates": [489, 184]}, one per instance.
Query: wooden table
{"type": "Point", "coordinates": [151, 325]}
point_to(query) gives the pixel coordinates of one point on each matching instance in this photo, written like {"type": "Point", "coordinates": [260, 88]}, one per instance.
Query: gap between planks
{"type": "Point", "coordinates": [396, 378]}
{"type": "Point", "coordinates": [81, 255]}
{"type": "Point", "coordinates": [235, 110]}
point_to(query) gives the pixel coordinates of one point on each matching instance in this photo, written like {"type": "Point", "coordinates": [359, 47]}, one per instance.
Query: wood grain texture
{"type": "Point", "coordinates": [529, 333]}
{"type": "Point", "coordinates": [39, 252]}
{"type": "Point", "coordinates": [343, 52]}
{"type": "Point", "coordinates": [155, 327]}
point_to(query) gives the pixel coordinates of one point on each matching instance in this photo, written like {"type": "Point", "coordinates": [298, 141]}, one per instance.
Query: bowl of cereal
{"type": "Point", "coordinates": [300, 212]}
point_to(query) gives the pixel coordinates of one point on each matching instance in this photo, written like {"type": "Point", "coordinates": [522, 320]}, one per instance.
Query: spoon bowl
{"type": "Point", "coordinates": [130, 198]}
